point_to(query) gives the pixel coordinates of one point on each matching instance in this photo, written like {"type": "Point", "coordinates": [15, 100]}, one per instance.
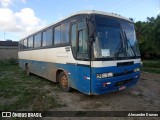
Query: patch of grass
{"type": "Point", "coordinates": [10, 61]}
{"type": "Point", "coordinates": [151, 66]}
{"type": "Point", "coordinates": [151, 70]}
{"type": "Point", "coordinates": [151, 63]}
{"type": "Point", "coordinates": [28, 93]}
{"type": "Point", "coordinates": [33, 99]}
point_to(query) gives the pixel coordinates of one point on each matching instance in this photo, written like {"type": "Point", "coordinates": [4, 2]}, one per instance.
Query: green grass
{"type": "Point", "coordinates": [20, 92]}
{"type": "Point", "coordinates": [151, 63]}
{"type": "Point", "coordinates": [151, 66]}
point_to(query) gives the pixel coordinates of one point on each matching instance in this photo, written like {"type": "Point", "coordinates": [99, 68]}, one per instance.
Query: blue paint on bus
{"type": "Point", "coordinates": [98, 85]}
{"type": "Point", "coordinates": [80, 78]}
{"type": "Point", "coordinates": [77, 76]}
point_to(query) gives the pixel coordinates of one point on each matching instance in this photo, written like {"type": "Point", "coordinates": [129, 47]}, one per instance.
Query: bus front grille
{"type": "Point", "coordinates": [123, 73]}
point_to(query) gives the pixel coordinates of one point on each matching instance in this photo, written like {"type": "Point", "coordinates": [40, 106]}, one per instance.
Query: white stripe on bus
{"type": "Point", "coordinates": [59, 55]}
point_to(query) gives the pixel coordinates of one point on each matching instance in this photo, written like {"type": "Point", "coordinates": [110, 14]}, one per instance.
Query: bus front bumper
{"type": "Point", "coordinates": [106, 85]}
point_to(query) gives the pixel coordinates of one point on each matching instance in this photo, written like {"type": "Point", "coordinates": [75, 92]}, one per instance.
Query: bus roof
{"type": "Point", "coordinates": [83, 12]}
{"type": "Point", "coordinates": [101, 13]}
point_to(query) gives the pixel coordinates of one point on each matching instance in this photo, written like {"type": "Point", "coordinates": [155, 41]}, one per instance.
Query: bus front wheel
{"type": "Point", "coordinates": [63, 82]}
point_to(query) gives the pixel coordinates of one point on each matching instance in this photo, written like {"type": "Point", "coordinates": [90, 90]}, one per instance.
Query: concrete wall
{"type": "Point", "coordinates": [8, 52]}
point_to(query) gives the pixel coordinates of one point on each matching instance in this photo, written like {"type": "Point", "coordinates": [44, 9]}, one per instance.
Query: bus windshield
{"type": "Point", "coordinates": [115, 39]}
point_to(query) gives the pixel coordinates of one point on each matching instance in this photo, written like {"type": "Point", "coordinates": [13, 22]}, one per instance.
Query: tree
{"type": "Point", "coordinates": [148, 34]}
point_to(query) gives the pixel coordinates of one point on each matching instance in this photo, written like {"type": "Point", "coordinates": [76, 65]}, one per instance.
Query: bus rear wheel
{"type": "Point", "coordinates": [63, 82]}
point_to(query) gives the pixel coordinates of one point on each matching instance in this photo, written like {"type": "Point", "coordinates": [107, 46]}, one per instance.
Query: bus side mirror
{"type": "Point", "coordinates": [92, 33]}
{"type": "Point", "coordinates": [91, 27]}
{"type": "Point", "coordinates": [92, 38]}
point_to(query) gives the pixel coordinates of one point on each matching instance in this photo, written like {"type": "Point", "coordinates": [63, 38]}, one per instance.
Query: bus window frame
{"type": "Point", "coordinates": [40, 40]}
{"type": "Point", "coordinates": [76, 21]}
{"type": "Point", "coordinates": [28, 41]}
{"type": "Point", "coordinates": [58, 25]}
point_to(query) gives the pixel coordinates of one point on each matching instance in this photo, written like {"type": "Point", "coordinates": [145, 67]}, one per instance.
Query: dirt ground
{"type": "Point", "coordinates": [145, 96]}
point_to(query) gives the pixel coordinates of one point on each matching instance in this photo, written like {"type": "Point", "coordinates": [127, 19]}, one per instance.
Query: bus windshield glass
{"type": "Point", "coordinates": [115, 39]}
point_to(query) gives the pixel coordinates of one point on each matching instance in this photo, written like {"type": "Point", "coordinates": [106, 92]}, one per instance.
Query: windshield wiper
{"type": "Point", "coordinates": [129, 44]}
{"type": "Point", "coordinates": [119, 48]}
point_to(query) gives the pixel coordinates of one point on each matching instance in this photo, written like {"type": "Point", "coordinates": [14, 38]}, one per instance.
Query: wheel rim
{"type": "Point", "coordinates": [64, 81]}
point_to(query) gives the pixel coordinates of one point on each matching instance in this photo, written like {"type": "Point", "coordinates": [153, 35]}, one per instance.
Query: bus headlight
{"type": "Point", "coordinates": [105, 75]}
{"type": "Point", "coordinates": [136, 70]}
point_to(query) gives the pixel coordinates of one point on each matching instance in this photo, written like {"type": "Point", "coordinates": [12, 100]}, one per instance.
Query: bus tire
{"type": "Point", "coordinates": [27, 70]}
{"type": "Point", "coordinates": [63, 82]}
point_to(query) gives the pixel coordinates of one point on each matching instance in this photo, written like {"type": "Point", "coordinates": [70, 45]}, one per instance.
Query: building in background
{"type": "Point", "coordinates": [8, 49]}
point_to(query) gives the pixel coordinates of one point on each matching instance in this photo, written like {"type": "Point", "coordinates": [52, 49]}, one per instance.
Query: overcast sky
{"type": "Point", "coordinates": [21, 17]}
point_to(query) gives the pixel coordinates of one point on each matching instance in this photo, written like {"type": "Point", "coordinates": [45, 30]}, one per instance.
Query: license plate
{"type": "Point", "coordinates": [122, 87]}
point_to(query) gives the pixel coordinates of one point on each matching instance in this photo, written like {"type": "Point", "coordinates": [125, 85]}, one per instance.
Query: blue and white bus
{"type": "Point", "coordinates": [91, 51]}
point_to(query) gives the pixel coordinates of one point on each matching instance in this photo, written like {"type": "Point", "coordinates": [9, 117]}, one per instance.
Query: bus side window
{"type": "Point", "coordinates": [57, 35]}
{"type": "Point", "coordinates": [64, 33]}
{"type": "Point", "coordinates": [37, 40]}
{"type": "Point", "coordinates": [44, 41]}
{"type": "Point", "coordinates": [82, 49]}
{"type": "Point", "coordinates": [30, 42]}
{"type": "Point", "coordinates": [49, 38]}
{"type": "Point", "coordinates": [25, 44]}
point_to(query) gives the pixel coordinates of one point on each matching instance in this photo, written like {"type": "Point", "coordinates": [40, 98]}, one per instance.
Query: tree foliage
{"type": "Point", "coordinates": [148, 34]}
